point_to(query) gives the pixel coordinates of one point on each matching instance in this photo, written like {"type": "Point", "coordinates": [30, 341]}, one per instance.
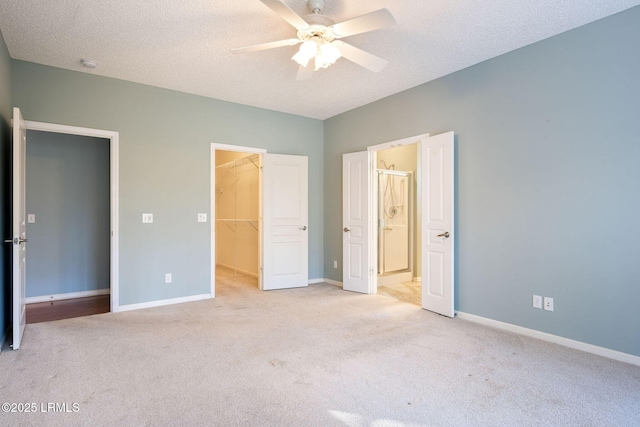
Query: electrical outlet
{"type": "Point", "coordinates": [537, 301]}
{"type": "Point", "coordinates": [167, 278]}
{"type": "Point", "coordinates": [335, 264]}
{"type": "Point", "coordinates": [202, 217]}
{"type": "Point", "coordinates": [147, 218]}
{"type": "Point", "coordinates": [31, 218]}
{"type": "Point", "coordinates": [548, 304]}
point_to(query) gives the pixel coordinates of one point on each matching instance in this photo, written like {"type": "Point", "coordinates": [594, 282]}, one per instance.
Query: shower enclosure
{"type": "Point", "coordinates": [394, 225]}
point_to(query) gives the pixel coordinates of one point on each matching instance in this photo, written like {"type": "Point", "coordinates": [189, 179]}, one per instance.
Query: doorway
{"type": "Point", "coordinates": [397, 236]}
{"type": "Point", "coordinates": [434, 224]}
{"type": "Point", "coordinates": [94, 284]}
{"type": "Point", "coordinates": [67, 205]}
{"type": "Point", "coordinates": [280, 226]}
{"type": "Point", "coordinates": [236, 219]}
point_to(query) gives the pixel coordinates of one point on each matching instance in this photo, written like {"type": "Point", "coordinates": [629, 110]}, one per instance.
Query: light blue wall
{"type": "Point", "coordinates": [68, 192]}
{"type": "Point", "coordinates": [548, 179]}
{"type": "Point", "coordinates": [5, 186]}
{"type": "Point", "coordinates": [165, 139]}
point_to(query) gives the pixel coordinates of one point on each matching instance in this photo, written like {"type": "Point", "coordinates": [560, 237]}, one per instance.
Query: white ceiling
{"type": "Point", "coordinates": [185, 44]}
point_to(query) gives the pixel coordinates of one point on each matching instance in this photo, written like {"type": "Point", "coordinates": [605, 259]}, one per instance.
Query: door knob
{"type": "Point", "coordinates": [445, 235]}
{"type": "Point", "coordinates": [303, 228]}
{"type": "Point", "coordinates": [347, 229]}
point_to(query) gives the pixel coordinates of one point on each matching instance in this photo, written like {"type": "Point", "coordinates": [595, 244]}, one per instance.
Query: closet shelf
{"type": "Point", "coordinates": [251, 222]}
{"type": "Point", "coordinates": [253, 158]}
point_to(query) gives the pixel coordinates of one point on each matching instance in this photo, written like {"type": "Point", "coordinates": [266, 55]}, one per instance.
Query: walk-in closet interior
{"type": "Point", "coordinates": [398, 243]}
{"type": "Point", "coordinates": [237, 177]}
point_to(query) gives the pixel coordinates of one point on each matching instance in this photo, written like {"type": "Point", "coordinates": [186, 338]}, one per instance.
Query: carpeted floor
{"type": "Point", "coordinates": [310, 356]}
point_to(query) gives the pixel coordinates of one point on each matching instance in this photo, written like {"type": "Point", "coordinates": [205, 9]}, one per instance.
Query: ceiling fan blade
{"type": "Point", "coordinates": [286, 13]}
{"type": "Point", "coordinates": [368, 22]}
{"type": "Point", "coordinates": [360, 57]}
{"type": "Point", "coordinates": [305, 73]}
{"type": "Point", "coordinates": [264, 46]}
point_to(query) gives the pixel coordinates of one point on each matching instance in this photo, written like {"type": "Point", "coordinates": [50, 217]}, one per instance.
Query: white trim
{"type": "Point", "coordinates": [114, 192]}
{"type": "Point", "coordinates": [160, 303]}
{"type": "Point", "coordinates": [332, 282]}
{"type": "Point", "coordinates": [315, 281]}
{"type": "Point", "coordinates": [212, 202]}
{"type": "Point", "coordinates": [397, 143]}
{"type": "Point", "coordinates": [577, 345]}
{"type": "Point", "coordinates": [68, 295]}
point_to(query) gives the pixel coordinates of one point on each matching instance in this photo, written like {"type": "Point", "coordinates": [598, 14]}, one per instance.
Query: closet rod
{"type": "Point", "coordinates": [251, 158]}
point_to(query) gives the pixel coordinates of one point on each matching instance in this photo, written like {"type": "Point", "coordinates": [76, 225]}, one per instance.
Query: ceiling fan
{"type": "Point", "coordinates": [319, 35]}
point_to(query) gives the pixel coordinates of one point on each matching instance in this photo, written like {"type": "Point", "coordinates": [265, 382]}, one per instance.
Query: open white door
{"type": "Point", "coordinates": [19, 227]}
{"type": "Point", "coordinates": [356, 271]}
{"type": "Point", "coordinates": [437, 224]}
{"type": "Point", "coordinates": [285, 256]}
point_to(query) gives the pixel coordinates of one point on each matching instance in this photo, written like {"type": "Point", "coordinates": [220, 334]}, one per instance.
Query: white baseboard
{"type": "Point", "coordinates": [162, 302]}
{"type": "Point", "coordinates": [315, 281]}
{"type": "Point", "coordinates": [332, 282]}
{"type": "Point", "coordinates": [69, 295]}
{"type": "Point", "coordinates": [578, 345]}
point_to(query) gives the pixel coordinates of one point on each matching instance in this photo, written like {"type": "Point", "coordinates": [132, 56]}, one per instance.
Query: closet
{"type": "Point", "coordinates": [237, 212]}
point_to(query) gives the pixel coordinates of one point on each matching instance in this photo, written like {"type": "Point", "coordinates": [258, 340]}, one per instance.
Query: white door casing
{"type": "Point", "coordinates": [19, 239]}
{"type": "Point", "coordinates": [285, 256]}
{"type": "Point", "coordinates": [356, 260]}
{"type": "Point", "coordinates": [437, 224]}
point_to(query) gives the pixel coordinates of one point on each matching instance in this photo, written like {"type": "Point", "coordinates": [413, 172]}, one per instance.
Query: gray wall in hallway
{"type": "Point", "coordinates": [67, 190]}
{"type": "Point", "coordinates": [547, 179]}
{"type": "Point", "coordinates": [5, 186]}
{"type": "Point", "coordinates": [165, 139]}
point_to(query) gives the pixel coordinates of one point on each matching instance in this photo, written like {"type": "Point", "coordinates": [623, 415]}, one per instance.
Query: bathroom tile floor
{"type": "Point", "coordinates": [410, 292]}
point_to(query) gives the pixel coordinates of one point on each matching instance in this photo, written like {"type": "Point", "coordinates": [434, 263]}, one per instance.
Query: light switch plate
{"type": "Point", "coordinates": [537, 301]}
{"type": "Point", "coordinates": [202, 217]}
{"type": "Point", "coordinates": [147, 218]}
{"type": "Point", "coordinates": [31, 218]}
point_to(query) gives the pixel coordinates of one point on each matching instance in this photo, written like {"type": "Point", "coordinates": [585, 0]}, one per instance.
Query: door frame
{"type": "Point", "coordinates": [212, 203]}
{"type": "Point", "coordinates": [373, 203]}
{"type": "Point", "coordinates": [114, 192]}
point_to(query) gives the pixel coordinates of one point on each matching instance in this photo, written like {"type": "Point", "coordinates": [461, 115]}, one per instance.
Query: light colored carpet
{"type": "Point", "coordinates": [310, 356]}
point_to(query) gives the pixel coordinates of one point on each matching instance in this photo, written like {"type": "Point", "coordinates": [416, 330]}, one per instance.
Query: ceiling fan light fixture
{"type": "Point", "coordinates": [327, 55]}
{"type": "Point", "coordinates": [307, 50]}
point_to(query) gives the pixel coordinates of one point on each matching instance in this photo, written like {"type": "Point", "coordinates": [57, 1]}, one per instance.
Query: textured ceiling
{"type": "Point", "coordinates": [185, 44]}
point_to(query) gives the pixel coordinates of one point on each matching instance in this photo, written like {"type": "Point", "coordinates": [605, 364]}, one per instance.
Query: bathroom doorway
{"type": "Point", "coordinates": [398, 261]}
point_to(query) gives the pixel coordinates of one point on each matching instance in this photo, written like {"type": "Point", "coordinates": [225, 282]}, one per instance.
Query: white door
{"type": "Point", "coordinates": [357, 275]}
{"type": "Point", "coordinates": [437, 224]}
{"type": "Point", "coordinates": [19, 227]}
{"type": "Point", "coordinates": [285, 256]}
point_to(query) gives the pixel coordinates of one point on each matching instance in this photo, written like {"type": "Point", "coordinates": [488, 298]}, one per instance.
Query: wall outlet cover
{"type": "Point", "coordinates": [537, 301]}
{"type": "Point", "coordinates": [202, 217]}
{"type": "Point", "coordinates": [147, 218]}
{"type": "Point", "coordinates": [31, 218]}
{"type": "Point", "coordinates": [548, 304]}
{"type": "Point", "coordinates": [167, 278]}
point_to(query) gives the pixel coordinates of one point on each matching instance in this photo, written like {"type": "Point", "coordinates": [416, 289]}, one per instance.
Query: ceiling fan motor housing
{"type": "Point", "coordinates": [315, 6]}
